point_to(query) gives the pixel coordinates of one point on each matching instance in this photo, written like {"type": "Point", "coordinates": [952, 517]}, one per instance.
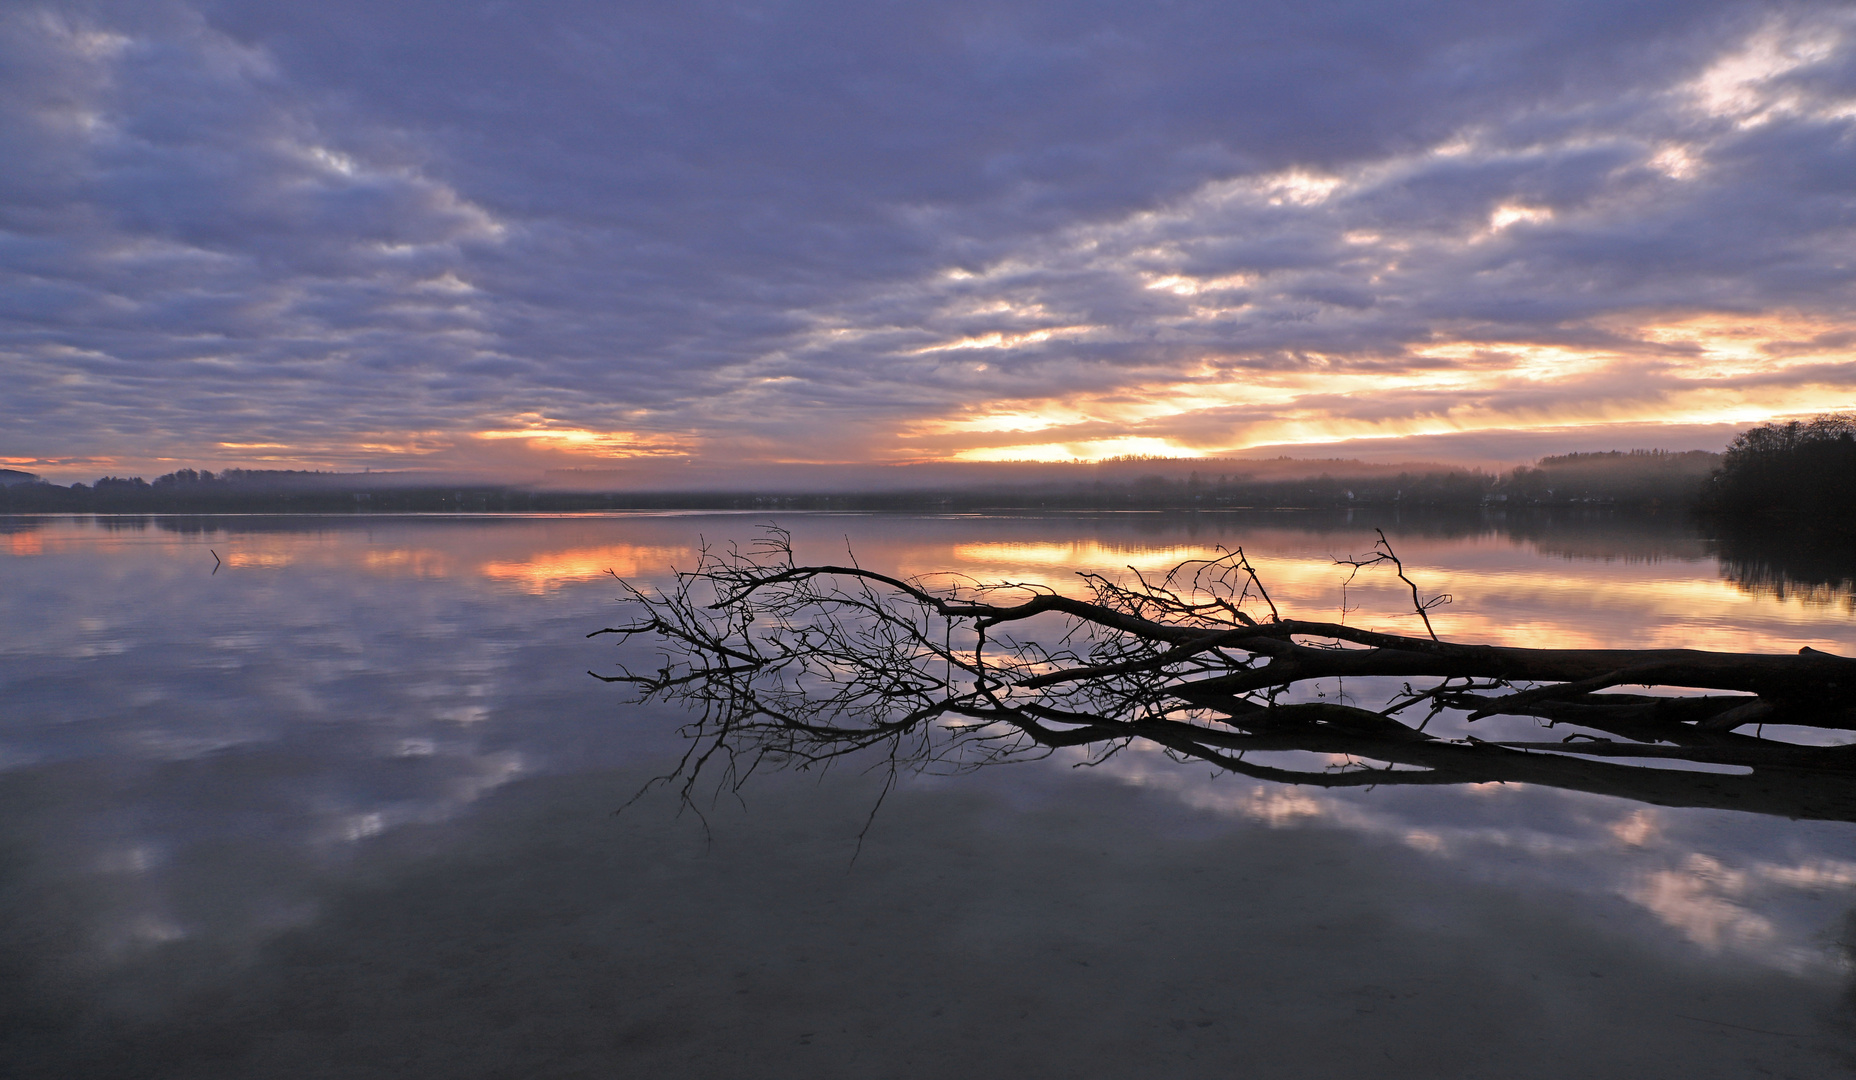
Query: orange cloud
{"type": "Point", "coordinates": [1706, 368]}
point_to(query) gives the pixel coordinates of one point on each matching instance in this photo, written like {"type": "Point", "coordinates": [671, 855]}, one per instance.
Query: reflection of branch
{"type": "Point", "coordinates": [805, 664]}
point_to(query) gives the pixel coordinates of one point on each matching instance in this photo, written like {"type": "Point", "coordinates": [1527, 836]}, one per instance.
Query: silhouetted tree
{"type": "Point", "coordinates": [1802, 470]}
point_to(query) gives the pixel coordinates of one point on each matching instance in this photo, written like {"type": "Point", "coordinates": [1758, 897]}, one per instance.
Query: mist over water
{"type": "Point", "coordinates": [303, 797]}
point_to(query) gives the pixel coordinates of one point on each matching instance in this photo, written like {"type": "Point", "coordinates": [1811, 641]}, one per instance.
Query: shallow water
{"type": "Point", "coordinates": [305, 797]}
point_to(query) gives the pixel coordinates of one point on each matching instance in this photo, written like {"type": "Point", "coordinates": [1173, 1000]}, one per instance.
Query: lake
{"type": "Point", "coordinates": [336, 797]}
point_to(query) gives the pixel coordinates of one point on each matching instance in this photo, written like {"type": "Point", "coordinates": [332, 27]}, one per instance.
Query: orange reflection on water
{"type": "Point", "coordinates": [1302, 587]}
{"type": "Point", "coordinates": [1055, 565]}
{"type": "Point", "coordinates": [548, 570]}
{"type": "Point", "coordinates": [410, 562]}
{"type": "Point", "coordinates": [24, 543]}
{"type": "Point", "coordinates": [261, 560]}
{"type": "Point", "coordinates": [1499, 596]}
{"type": "Point", "coordinates": [1076, 554]}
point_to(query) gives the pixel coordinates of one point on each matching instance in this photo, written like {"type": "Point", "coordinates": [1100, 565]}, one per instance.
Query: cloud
{"type": "Point", "coordinates": [827, 232]}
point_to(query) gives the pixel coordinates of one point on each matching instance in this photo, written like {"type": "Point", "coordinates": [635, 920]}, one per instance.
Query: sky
{"type": "Point", "coordinates": [503, 238]}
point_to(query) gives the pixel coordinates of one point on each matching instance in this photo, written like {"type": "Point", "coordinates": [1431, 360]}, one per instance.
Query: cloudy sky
{"type": "Point", "coordinates": [509, 236]}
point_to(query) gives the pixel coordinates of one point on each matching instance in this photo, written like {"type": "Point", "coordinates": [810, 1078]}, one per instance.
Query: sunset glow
{"type": "Point", "coordinates": [530, 533]}
{"type": "Point", "coordinates": [580, 440]}
{"type": "Point", "coordinates": [1658, 245]}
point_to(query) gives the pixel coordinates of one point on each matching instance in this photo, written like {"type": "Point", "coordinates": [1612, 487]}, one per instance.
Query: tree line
{"type": "Point", "coordinates": [1801, 471]}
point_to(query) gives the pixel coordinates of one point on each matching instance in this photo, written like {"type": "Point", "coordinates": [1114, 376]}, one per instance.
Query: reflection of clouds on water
{"type": "Point", "coordinates": [533, 571]}
{"type": "Point", "coordinates": [1727, 898]}
{"type": "Point", "coordinates": [260, 560]}
{"type": "Point", "coordinates": [242, 727]}
{"type": "Point", "coordinates": [1816, 874]}
{"type": "Point", "coordinates": [408, 562]}
{"type": "Point", "coordinates": [188, 758]}
{"type": "Point", "coordinates": [467, 776]}
{"type": "Point", "coordinates": [224, 847]}
{"type": "Point", "coordinates": [1277, 806]}
{"type": "Point", "coordinates": [1703, 899]}
{"type": "Point", "coordinates": [1637, 827]}
{"type": "Point", "coordinates": [554, 569]}
{"type": "Point", "coordinates": [968, 935]}
{"type": "Point", "coordinates": [1065, 558]}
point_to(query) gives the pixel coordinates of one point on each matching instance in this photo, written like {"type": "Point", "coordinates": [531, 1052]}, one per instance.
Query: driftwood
{"type": "Point", "coordinates": [805, 664]}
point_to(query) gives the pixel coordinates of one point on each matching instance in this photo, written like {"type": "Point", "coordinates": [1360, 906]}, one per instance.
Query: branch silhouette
{"type": "Point", "coordinates": [802, 665]}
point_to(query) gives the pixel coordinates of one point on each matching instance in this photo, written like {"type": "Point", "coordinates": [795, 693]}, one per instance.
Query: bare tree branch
{"type": "Point", "coordinates": [805, 665]}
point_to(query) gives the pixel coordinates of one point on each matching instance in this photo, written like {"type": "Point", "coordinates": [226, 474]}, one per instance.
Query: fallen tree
{"type": "Point", "coordinates": [795, 664]}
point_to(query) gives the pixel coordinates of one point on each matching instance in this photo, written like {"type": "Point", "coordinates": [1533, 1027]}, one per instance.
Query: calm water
{"type": "Point", "coordinates": [342, 806]}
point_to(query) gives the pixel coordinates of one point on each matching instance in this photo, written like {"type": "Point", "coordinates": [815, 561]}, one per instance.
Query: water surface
{"type": "Point", "coordinates": [333, 796]}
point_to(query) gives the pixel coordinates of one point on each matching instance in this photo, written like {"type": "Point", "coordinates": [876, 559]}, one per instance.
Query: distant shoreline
{"type": "Point", "coordinates": [1638, 479]}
